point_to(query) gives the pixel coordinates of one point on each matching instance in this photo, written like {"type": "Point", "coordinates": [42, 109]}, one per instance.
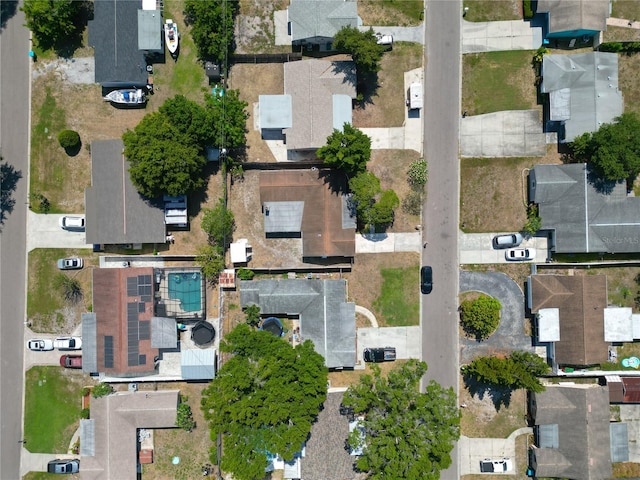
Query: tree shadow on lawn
{"type": "Point", "coordinates": [367, 87]}
{"type": "Point", "coordinates": [500, 396]}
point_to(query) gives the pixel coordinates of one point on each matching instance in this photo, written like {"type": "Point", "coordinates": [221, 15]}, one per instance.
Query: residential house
{"type": "Point", "coordinates": [573, 437]}
{"type": "Point", "coordinates": [110, 440]}
{"type": "Point", "coordinates": [584, 213]}
{"type": "Point", "coordinates": [318, 96]}
{"type": "Point", "coordinates": [315, 22]}
{"type": "Point", "coordinates": [574, 19]}
{"type": "Point", "coordinates": [312, 205]}
{"type": "Point", "coordinates": [325, 317]}
{"type": "Point", "coordinates": [581, 91]}
{"type": "Point", "coordinates": [623, 389]}
{"type": "Point", "coordinates": [116, 213]}
{"type": "Point", "coordinates": [132, 332]}
{"type": "Point", "coordinates": [125, 38]}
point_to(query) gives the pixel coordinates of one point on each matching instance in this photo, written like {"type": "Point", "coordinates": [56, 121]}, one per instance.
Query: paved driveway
{"type": "Point", "coordinates": [400, 34]}
{"type": "Point", "coordinates": [473, 450]}
{"type": "Point", "coordinates": [43, 231]}
{"type": "Point", "coordinates": [406, 340]}
{"type": "Point", "coordinates": [496, 36]}
{"type": "Point", "coordinates": [514, 133]}
{"type": "Point", "coordinates": [510, 335]}
{"type": "Point", "coordinates": [476, 248]}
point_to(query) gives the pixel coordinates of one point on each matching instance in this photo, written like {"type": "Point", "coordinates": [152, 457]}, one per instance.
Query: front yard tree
{"type": "Point", "coordinates": [362, 46]}
{"type": "Point", "coordinates": [518, 370]}
{"type": "Point", "coordinates": [614, 150]}
{"type": "Point", "coordinates": [53, 21]}
{"type": "Point", "coordinates": [408, 434]}
{"type": "Point", "coordinates": [347, 150]}
{"type": "Point", "coordinates": [481, 316]}
{"type": "Point", "coordinates": [264, 399]}
{"type": "Point", "coordinates": [212, 26]}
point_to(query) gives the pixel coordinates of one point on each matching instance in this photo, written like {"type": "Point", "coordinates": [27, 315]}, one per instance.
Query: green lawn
{"type": "Point", "coordinates": [399, 301]}
{"type": "Point", "coordinates": [391, 12]}
{"type": "Point", "coordinates": [492, 10]}
{"type": "Point", "coordinates": [45, 476]}
{"type": "Point", "coordinates": [497, 81]}
{"type": "Point", "coordinates": [52, 409]}
{"type": "Point", "coordinates": [628, 9]}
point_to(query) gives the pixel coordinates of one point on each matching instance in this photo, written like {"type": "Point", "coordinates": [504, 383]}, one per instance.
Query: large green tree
{"type": "Point", "coordinates": [481, 316]}
{"type": "Point", "coordinates": [53, 21]}
{"type": "Point", "coordinates": [210, 259]}
{"type": "Point", "coordinates": [166, 149]}
{"type": "Point", "coordinates": [212, 26]}
{"type": "Point", "coordinates": [614, 150]}
{"type": "Point", "coordinates": [348, 150]}
{"type": "Point", "coordinates": [408, 434]}
{"type": "Point", "coordinates": [373, 205]}
{"type": "Point", "coordinates": [362, 46]}
{"type": "Point", "coordinates": [264, 399]}
{"type": "Point", "coordinates": [518, 370]}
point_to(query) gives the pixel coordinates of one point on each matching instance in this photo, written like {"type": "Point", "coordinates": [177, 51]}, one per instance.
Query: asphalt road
{"type": "Point", "coordinates": [441, 208]}
{"type": "Point", "coordinates": [14, 138]}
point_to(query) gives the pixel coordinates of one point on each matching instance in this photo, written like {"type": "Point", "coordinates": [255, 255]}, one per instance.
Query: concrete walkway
{"type": "Point", "coordinates": [388, 242]}
{"type": "Point", "coordinates": [623, 23]}
{"type": "Point", "coordinates": [369, 314]}
{"type": "Point", "coordinates": [473, 450]}
{"type": "Point", "coordinates": [499, 36]}
{"type": "Point", "coordinates": [514, 133]}
{"type": "Point", "coordinates": [400, 34]}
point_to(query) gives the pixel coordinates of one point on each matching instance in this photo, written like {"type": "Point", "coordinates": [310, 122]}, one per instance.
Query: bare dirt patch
{"type": "Point", "coordinates": [494, 193]}
{"type": "Point", "coordinates": [391, 167]}
{"type": "Point", "coordinates": [365, 280]}
{"type": "Point", "coordinates": [629, 81]}
{"type": "Point", "coordinates": [254, 29]}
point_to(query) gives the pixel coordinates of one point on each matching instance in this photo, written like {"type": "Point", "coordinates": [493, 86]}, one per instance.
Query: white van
{"type": "Point", "coordinates": [414, 101]}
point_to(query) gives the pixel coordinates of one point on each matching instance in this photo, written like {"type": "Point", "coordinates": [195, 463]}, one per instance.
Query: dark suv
{"type": "Point", "coordinates": [376, 355]}
{"type": "Point", "coordinates": [426, 279]}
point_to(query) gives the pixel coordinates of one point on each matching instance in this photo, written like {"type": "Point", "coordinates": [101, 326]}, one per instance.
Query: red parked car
{"type": "Point", "coordinates": [71, 361]}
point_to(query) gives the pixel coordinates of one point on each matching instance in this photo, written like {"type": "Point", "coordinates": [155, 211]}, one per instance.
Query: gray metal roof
{"type": "Point", "coordinates": [589, 215]}
{"type": "Point", "coordinates": [318, 20]}
{"type": "Point", "coordinates": [275, 111]}
{"type": "Point", "coordinates": [583, 91]}
{"type": "Point", "coordinates": [325, 318]}
{"type": "Point", "coordinates": [574, 16]}
{"type": "Point", "coordinates": [198, 364]}
{"type": "Point", "coordinates": [113, 33]}
{"type": "Point", "coordinates": [150, 33]}
{"type": "Point", "coordinates": [164, 333]}
{"type": "Point", "coordinates": [341, 111]}
{"type": "Point", "coordinates": [116, 213]}
{"type": "Point", "coordinates": [283, 217]}
{"type": "Point", "coordinates": [89, 343]}
{"type": "Point", "coordinates": [619, 433]}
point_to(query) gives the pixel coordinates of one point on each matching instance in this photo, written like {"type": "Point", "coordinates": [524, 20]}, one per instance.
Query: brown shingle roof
{"type": "Point", "coordinates": [581, 301]}
{"type": "Point", "coordinates": [110, 304]}
{"type": "Point", "coordinates": [322, 192]}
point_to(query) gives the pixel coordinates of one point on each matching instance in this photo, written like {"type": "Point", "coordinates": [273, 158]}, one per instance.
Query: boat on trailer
{"type": "Point", "coordinates": [171, 36]}
{"type": "Point", "coordinates": [127, 96]}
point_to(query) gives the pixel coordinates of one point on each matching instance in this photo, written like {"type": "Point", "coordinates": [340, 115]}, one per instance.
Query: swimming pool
{"type": "Point", "coordinates": [186, 287]}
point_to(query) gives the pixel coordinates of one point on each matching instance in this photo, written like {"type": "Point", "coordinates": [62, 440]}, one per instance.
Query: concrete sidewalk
{"type": "Point", "coordinates": [388, 242]}
{"type": "Point", "coordinates": [499, 36]}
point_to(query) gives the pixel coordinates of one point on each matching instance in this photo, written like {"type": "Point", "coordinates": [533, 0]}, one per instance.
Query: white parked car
{"type": "Point", "coordinates": [520, 254]}
{"type": "Point", "coordinates": [68, 343]}
{"type": "Point", "coordinates": [382, 39]}
{"type": "Point", "coordinates": [496, 466]}
{"type": "Point", "coordinates": [38, 345]}
{"type": "Point", "coordinates": [72, 223]}
{"type": "Point", "coordinates": [74, 263]}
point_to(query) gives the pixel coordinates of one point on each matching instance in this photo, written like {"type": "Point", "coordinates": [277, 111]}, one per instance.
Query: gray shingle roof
{"type": "Point", "coordinates": [589, 215]}
{"type": "Point", "coordinates": [574, 16]}
{"type": "Point", "coordinates": [581, 414]}
{"type": "Point", "coordinates": [113, 33]}
{"type": "Point", "coordinates": [116, 212]}
{"type": "Point", "coordinates": [325, 318]}
{"type": "Point", "coordinates": [583, 91]}
{"type": "Point", "coordinates": [313, 20]}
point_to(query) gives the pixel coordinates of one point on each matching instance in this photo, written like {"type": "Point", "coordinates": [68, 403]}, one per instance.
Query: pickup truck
{"type": "Point", "coordinates": [375, 355]}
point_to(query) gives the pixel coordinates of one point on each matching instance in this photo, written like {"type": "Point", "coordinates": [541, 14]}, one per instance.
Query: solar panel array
{"type": "Point", "coordinates": [108, 351]}
{"type": "Point", "coordinates": [132, 334]}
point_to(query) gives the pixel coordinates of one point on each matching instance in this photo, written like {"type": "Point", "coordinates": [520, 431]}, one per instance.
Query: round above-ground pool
{"type": "Point", "coordinates": [203, 333]}
{"type": "Point", "coordinates": [273, 326]}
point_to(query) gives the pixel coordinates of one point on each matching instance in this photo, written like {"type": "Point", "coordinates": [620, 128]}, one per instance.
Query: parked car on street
{"type": "Point", "coordinates": [507, 241]}
{"type": "Point", "coordinates": [74, 263]}
{"type": "Point", "coordinates": [38, 345]}
{"type": "Point", "coordinates": [426, 279]}
{"type": "Point", "coordinates": [376, 355]}
{"type": "Point", "coordinates": [68, 343]}
{"type": "Point", "coordinates": [520, 254]}
{"type": "Point", "coordinates": [72, 223]}
{"type": "Point", "coordinates": [71, 361]}
{"type": "Point", "coordinates": [63, 466]}
{"type": "Point", "coordinates": [496, 466]}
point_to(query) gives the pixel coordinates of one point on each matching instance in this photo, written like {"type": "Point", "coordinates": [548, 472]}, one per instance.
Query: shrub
{"type": "Point", "coordinates": [101, 390]}
{"type": "Point", "coordinates": [69, 287]}
{"type": "Point", "coordinates": [534, 222]}
{"type": "Point", "coordinates": [184, 417]}
{"type": "Point", "coordinates": [481, 316]}
{"type": "Point", "coordinates": [69, 139]}
{"type": "Point", "coordinates": [85, 391]}
{"type": "Point", "coordinates": [39, 203]}
{"type": "Point", "coordinates": [84, 413]}
{"type": "Point", "coordinates": [527, 9]}
{"type": "Point", "coordinates": [412, 203]}
{"type": "Point", "coordinates": [252, 313]}
{"type": "Point", "coordinates": [245, 274]}
{"type": "Point", "coordinates": [418, 173]}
